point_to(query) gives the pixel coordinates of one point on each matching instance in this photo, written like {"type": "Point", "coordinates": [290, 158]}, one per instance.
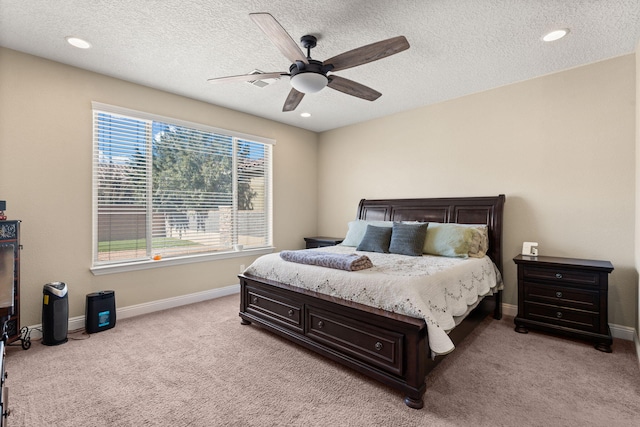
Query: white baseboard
{"type": "Point", "coordinates": [622, 332]}
{"type": "Point", "coordinates": [78, 322]}
{"type": "Point", "coordinates": [75, 323]}
{"type": "Point", "coordinates": [509, 310]}
{"type": "Point", "coordinates": [617, 331]}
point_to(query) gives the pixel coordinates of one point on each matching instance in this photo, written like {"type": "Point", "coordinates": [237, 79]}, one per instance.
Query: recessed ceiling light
{"type": "Point", "coordinates": [305, 114]}
{"type": "Point", "coordinates": [555, 35]}
{"type": "Point", "coordinates": [79, 43]}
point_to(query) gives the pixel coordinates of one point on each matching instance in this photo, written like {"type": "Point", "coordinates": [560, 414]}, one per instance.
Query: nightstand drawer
{"type": "Point", "coordinates": [562, 316]}
{"type": "Point", "coordinates": [561, 275]}
{"type": "Point", "coordinates": [562, 296]}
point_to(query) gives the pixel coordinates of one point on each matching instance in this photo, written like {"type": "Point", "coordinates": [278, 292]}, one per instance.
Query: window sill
{"type": "Point", "coordinates": [147, 264]}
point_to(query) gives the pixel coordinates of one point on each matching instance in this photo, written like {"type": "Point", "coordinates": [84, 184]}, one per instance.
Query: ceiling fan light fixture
{"type": "Point", "coordinates": [309, 82]}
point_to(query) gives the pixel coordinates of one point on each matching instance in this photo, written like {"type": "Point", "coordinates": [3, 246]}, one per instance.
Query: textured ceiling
{"type": "Point", "coordinates": [458, 47]}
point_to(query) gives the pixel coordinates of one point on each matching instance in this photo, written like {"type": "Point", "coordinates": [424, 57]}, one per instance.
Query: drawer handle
{"type": "Point", "coordinates": [378, 346]}
{"type": "Point", "coordinates": [559, 294]}
{"type": "Point", "coordinates": [254, 300]}
{"type": "Point", "coordinates": [320, 324]}
{"type": "Point", "coordinates": [559, 315]}
{"type": "Point", "coordinates": [558, 276]}
{"type": "Point", "coordinates": [290, 313]}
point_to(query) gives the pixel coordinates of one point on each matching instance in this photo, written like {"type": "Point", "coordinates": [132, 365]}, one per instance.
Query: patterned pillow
{"type": "Point", "coordinates": [451, 240]}
{"type": "Point", "coordinates": [376, 239]}
{"type": "Point", "coordinates": [480, 242]}
{"type": "Point", "coordinates": [408, 239]}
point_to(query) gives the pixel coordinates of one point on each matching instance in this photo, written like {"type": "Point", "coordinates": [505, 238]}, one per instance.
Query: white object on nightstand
{"type": "Point", "coordinates": [530, 248]}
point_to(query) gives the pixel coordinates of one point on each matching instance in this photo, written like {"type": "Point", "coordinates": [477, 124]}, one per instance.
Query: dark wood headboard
{"type": "Point", "coordinates": [462, 210]}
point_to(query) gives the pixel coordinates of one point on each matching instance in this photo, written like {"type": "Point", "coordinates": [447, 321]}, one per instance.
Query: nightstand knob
{"type": "Point", "coordinates": [559, 315]}
{"type": "Point", "coordinates": [558, 276]}
{"type": "Point", "coordinates": [290, 313]}
{"type": "Point", "coordinates": [559, 294]}
{"type": "Point", "coordinates": [320, 324]}
{"type": "Point", "coordinates": [378, 346]}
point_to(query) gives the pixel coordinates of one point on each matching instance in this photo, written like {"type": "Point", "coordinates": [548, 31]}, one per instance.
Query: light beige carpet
{"type": "Point", "coordinates": [197, 366]}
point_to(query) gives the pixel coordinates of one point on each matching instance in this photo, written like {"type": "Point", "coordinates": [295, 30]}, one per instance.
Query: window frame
{"type": "Point", "coordinates": [118, 267]}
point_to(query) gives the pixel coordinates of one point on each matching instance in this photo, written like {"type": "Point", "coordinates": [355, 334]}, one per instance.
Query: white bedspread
{"type": "Point", "coordinates": [434, 288]}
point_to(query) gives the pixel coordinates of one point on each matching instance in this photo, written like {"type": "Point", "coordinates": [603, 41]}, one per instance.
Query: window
{"type": "Point", "coordinates": [167, 189]}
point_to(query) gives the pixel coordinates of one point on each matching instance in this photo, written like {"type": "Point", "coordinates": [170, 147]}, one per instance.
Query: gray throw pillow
{"type": "Point", "coordinates": [376, 239]}
{"type": "Point", "coordinates": [408, 239]}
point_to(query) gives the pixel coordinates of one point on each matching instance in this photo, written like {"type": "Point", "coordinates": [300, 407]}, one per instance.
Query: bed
{"type": "Point", "coordinates": [384, 344]}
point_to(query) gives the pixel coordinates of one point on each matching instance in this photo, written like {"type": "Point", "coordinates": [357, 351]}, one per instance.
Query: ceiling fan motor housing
{"type": "Point", "coordinates": [308, 78]}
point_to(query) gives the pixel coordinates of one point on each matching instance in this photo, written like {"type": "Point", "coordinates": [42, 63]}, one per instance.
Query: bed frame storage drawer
{"type": "Point", "coordinates": [377, 346]}
{"type": "Point", "coordinates": [275, 307]}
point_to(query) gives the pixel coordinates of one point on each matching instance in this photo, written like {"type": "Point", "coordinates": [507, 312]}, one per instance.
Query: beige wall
{"type": "Point", "coordinates": [45, 177]}
{"type": "Point", "coordinates": [561, 147]}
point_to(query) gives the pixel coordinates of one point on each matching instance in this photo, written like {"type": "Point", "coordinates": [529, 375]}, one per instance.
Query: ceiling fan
{"type": "Point", "coordinates": [308, 75]}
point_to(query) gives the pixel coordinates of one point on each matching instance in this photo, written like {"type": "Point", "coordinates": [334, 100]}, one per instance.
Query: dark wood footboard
{"type": "Point", "coordinates": [387, 347]}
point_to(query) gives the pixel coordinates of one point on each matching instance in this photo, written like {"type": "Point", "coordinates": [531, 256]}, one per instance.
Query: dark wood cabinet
{"type": "Point", "coordinates": [320, 241]}
{"type": "Point", "coordinates": [10, 247]}
{"type": "Point", "coordinates": [567, 296]}
{"type": "Point", "coordinates": [4, 390]}
{"type": "Point", "coordinates": [9, 300]}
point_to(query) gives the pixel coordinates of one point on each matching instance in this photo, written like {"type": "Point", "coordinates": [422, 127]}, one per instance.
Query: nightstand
{"type": "Point", "coordinates": [320, 242]}
{"type": "Point", "coordinates": [567, 296]}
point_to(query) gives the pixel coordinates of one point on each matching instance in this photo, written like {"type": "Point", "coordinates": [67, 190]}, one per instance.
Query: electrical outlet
{"type": "Point", "coordinates": [241, 268]}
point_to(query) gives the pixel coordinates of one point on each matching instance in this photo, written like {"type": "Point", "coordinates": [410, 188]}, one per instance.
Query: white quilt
{"type": "Point", "coordinates": [434, 288]}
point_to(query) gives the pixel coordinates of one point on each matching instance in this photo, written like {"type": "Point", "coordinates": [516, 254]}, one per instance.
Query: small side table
{"type": "Point", "coordinates": [321, 242]}
{"type": "Point", "coordinates": [567, 296]}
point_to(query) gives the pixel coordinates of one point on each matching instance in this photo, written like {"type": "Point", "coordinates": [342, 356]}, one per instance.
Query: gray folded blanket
{"type": "Point", "coordinates": [348, 262]}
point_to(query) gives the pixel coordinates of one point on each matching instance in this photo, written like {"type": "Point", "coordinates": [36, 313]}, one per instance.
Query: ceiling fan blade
{"type": "Point", "coordinates": [292, 101]}
{"type": "Point", "coordinates": [279, 36]}
{"type": "Point", "coordinates": [352, 88]}
{"type": "Point", "coordinates": [247, 77]}
{"type": "Point", "coordinates": [368, 53]}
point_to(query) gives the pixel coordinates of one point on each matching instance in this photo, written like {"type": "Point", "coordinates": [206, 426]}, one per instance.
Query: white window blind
{"type": "Point", "coordinates": [167, 188]}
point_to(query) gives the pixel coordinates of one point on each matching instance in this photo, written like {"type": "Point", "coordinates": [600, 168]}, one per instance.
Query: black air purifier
{"type": "Point", "coordinates": [100, 311]}
{"type": "Point", "coordinates": [55, 313]}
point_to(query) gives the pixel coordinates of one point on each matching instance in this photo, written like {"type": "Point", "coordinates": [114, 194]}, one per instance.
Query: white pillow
{"type": "Point", "coordinates": [358, 228]}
